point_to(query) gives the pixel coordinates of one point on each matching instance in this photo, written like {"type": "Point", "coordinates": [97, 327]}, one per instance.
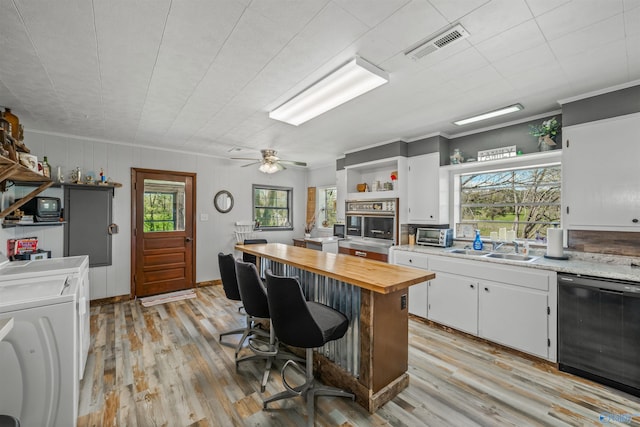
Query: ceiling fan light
{"type": "Point", "coordinates": [268, 167]}
{"type": "Point", "coordinates": [347, 82]}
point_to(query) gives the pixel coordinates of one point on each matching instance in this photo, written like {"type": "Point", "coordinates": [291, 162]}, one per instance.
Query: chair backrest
{"type": "Point", "coordinates": [290, 316]}
{"type": "Point", "coordinates": [228, 276]}
{"type": "Point", "coordinates": [252, 291]}
{"type": "Point", "coordinates": [248, 257]}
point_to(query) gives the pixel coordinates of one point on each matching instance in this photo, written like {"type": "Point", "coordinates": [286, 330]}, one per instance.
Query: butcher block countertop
{"type": "Point", "coordinates": [373, 275]}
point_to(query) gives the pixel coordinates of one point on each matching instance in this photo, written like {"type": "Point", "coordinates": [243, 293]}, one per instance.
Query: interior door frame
{"type": "Point", "coordinates": [134, 212]}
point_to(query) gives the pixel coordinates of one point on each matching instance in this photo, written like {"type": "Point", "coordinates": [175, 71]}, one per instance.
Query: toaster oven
{"type": "Point", "coordinates": [434, 237]}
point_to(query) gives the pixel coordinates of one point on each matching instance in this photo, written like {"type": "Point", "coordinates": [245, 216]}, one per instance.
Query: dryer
{"type": "Point", "coordinates": [76, 267]}
{"type": "Point", "coordinates": [39, 373]}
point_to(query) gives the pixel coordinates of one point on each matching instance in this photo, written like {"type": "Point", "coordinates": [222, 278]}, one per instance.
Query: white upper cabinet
{"type": "Point", "coordinates": [600, 185]}
{"type": "Point", "coordinates": [427, 190]}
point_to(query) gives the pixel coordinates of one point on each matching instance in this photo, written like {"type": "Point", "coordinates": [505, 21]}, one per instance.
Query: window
{"type": "Point", "coordinates": [163, 205]}
{"type": "Point", "coordinates": [272, 207]}
{"type": "Point", "coordinates": [327, 204]}
{"type": "Point", "coordinates": [525, 200]}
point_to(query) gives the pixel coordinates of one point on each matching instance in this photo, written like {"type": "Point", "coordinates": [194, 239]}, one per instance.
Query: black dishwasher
{"type": "Point", "coordinates": [599, 330]}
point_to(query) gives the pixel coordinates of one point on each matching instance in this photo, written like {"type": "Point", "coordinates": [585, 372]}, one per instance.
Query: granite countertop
{"type": "Point", "coordinates": [588, 264]}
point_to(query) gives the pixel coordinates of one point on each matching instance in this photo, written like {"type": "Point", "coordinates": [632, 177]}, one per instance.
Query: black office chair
{"type": "Point", "coordinates": [254, 300]}
{"type": "Point", "coordinates": [248, 257]}
{"type": "Point", "coordinates": [304, 324]}
{"type": "Point", "coordinates": [9, 421]}
{"type": "Point", "coordinates": [231, 291]}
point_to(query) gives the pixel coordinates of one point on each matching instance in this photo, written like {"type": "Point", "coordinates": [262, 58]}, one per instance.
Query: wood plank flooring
{"type": "Point", "coordinates": [164, 366]}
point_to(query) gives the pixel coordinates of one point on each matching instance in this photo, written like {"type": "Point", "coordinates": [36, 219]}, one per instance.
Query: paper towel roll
{"type": "Point", "coordinates": [554, 242]}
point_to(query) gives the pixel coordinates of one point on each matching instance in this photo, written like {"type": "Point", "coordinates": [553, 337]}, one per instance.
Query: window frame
{"type": "Point", "coordinates": [289, 191]}
{"type": "Point", "coordinates": [528, 161]}
{"type": "Point", "coordinates": [322, 213]}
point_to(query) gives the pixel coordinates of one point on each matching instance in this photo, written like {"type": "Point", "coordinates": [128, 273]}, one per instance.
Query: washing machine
{"type": "Point", "coordinates": [38, 369]}
{"type": "Point", "coordinates": [76, 267]}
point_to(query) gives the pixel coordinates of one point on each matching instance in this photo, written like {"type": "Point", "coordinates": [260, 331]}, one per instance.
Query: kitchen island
{"type": "Point", "coordinates": [371, 359]}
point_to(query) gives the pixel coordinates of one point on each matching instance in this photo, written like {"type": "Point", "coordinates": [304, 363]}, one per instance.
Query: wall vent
{"type": "Point", "coordinates": [447, 38]}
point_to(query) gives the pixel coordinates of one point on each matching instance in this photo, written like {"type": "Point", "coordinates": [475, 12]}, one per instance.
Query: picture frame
{"type": "Point", "coordinates": [466, 230]}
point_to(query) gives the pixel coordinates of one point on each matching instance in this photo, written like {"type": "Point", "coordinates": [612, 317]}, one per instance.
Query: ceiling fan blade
{"type": "Point", "coordinates": [252, 163]}
{"type": "Point", "coordinates": [293, 162]}
{"type": "Point", "coordinates": [246, 158]}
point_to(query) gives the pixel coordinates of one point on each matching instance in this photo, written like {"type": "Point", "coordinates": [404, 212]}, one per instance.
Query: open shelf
{"type": "Point", "coordinates": [35, 224]}
{"type": "Point", "coordinates": [13, 171]}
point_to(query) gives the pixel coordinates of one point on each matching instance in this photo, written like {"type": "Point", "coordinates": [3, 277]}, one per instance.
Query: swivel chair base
{"type": "Point", "coordinates": [308, 391]}
{"type": "Point", "coordinates": [273, 353]}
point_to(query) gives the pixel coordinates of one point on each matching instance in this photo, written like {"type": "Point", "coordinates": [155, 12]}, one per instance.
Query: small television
{"type": "Point", "coordinates": [43, 209]}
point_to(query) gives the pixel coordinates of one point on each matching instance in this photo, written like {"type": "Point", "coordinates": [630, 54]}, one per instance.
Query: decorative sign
{"type": "Point", "coordinates": [497, 153]}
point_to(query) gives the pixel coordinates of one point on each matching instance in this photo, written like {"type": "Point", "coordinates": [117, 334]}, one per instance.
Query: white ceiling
{"type": "Point", "coordinates": [202, 75]}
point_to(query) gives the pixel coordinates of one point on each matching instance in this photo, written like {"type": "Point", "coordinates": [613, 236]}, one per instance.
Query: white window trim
{"type": "Point", "coordinates": [549, 158]}
{"type": "Point", "coordinates": [320, 189]}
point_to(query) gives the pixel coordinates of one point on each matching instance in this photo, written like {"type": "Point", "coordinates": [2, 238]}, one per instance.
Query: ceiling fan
{"type": "Point", "coordinates": [270, 163]}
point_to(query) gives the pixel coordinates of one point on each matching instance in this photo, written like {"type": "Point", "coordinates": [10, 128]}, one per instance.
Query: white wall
{"type": "Point", "coordinates": [213, 174]}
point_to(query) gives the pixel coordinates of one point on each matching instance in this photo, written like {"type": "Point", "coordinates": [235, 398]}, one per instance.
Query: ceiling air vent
{"type": "Point", "coordinates": [447, 38]}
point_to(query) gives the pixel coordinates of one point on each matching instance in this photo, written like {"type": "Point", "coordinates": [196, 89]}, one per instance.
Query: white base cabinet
{"type": "Point", "coordinates": [453, 301]}
{"type": "Point", "coordinates": [417, 293]}
{"type": "Point", "coordinates": [510, 305]}
{"type": "Point", "coordinates": [514, 316]}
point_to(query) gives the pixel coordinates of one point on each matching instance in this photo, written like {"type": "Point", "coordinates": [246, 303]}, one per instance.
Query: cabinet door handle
{"type": "Point", "coordinates": [410, 261]}
{"type": "Point", "coordinates": [634, 220]}
{"type": "Point", "coordinates": [486, 289]}
{"type": "Point", "coordinates": [472, 286]}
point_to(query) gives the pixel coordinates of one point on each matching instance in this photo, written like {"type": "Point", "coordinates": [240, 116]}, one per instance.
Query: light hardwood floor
{"type": "Point", "coordinates": [164, 366]}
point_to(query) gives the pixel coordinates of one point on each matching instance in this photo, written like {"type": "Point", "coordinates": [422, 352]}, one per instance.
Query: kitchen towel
{"type": "Point", "coordinates": [554, 243]}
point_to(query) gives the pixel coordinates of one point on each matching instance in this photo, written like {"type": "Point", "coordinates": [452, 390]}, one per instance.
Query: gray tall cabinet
{"type": "Point", "coordinates": [88, 216]}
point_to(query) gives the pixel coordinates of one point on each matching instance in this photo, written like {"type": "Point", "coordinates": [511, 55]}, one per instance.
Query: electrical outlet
{"type": "Point", "coordinates": [204, 217]}
{"type": "Point", "coordinates": [403, 301]}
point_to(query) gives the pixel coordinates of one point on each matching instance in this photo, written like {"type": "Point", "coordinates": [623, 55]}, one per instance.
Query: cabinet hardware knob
{"type": "Point", "coordinates": [471, 286]}
{"type": "Point", "coordinates": [634, 220]}
{"type": "Point", "coordinates": [486, 289]}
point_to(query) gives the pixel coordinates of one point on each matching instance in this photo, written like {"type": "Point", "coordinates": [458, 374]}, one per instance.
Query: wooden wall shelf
{"type": "Point", "coordinates": [13, 171]}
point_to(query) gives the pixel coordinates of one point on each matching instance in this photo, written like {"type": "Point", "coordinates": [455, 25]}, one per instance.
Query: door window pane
{"type": "Point", "coordinates": [164, 205]}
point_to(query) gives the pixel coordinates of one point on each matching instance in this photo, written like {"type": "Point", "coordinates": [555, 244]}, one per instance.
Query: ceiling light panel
{"type": "Point", "coordinates": [495, 113]}
{"type": "Point", "coordinates": [347, 82]}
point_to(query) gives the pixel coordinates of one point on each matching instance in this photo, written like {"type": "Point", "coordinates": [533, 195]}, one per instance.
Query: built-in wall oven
{"type": "Point", "coordinates": [371, 228]}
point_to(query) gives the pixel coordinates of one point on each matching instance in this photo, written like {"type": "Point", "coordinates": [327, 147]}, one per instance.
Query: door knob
{"type": "Point", "coordinates": [188, 239]}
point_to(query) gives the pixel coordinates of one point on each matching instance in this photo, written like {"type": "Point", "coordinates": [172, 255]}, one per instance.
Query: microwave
{"type": "Point", "coordinates": [434, 237]}
{"type": "Point", "coordinates": [43, 209]}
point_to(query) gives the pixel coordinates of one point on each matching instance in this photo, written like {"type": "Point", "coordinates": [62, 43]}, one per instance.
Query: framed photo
{"type": "Point", "coordinates": [466, 230]}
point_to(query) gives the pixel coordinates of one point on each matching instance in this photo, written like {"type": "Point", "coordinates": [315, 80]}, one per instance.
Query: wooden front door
{"type": "Point", "coordinates": [163, 231]}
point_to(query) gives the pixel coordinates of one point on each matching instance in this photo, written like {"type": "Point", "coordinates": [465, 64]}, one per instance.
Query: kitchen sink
{"type": "Point", "coordinates": [511, 257]}
{"type": "Point", "coordinates": [468, 252]}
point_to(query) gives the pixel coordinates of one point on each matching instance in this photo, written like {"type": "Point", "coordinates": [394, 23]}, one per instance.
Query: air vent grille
{"type": "Point", "coordinates": [446, 38]}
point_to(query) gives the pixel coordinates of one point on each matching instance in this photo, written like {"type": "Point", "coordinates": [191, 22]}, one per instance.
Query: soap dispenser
{"type": "Point", "coordinates": [477, 243]}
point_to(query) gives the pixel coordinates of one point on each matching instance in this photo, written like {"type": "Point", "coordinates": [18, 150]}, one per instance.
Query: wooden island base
{"type": "Point", "coordinates": [371, 361]}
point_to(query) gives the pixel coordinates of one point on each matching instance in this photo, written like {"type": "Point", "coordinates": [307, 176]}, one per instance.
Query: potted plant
{"type": "Point", "coordinates": [309, 226]}
{"type": "Point", "coordinates": [546, 133]}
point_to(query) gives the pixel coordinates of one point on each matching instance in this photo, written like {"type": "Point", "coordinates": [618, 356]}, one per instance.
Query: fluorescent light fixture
{"type": "Point", "coordinates": [506, 110]}
{"type": "Point", "coordinates": [351, 80]}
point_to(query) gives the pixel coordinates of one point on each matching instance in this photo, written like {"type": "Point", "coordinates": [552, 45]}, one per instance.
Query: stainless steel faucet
{"type": "Point", "coordinates": [516, 247]}
{"type": "Point", "coordinates": [496, 245]}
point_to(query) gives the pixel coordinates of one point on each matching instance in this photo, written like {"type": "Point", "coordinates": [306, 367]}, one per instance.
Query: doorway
{"type": "Point", "coordinates": [163, 231]}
